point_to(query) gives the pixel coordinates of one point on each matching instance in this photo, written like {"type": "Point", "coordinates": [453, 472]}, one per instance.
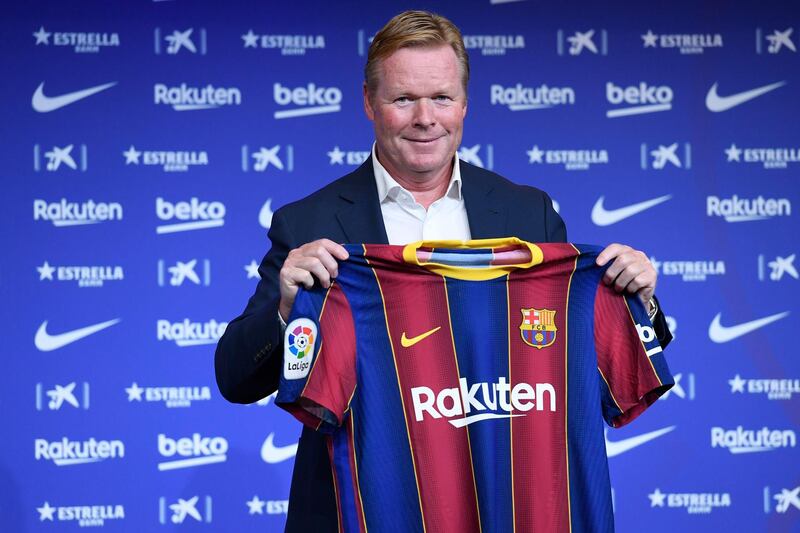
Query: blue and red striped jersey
{"type": "Point", "coordinates": [460, 384]}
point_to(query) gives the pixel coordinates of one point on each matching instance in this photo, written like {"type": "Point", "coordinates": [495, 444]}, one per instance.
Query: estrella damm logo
{"type": "Point", "coordinates": [538, 327]}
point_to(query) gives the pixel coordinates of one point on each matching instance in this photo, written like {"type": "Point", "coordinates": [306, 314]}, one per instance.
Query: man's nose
{"type": "Point", "coordinates": [424, 114]}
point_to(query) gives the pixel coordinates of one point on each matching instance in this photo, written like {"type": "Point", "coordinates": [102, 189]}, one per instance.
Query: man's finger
{"type": "Point", "coordinates": [335, 249]}
{"type": "Point", "coordinates": [315, 266]}
{"type": "Point", "coordinates": [609, 252]}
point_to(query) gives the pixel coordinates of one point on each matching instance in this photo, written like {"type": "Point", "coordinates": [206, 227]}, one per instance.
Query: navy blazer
{"type": "Point", "coordinates": [249, 355]}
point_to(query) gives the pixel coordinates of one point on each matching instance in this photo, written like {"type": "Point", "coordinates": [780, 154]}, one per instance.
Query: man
{"type": "Point", "coordinates": [412, 188]}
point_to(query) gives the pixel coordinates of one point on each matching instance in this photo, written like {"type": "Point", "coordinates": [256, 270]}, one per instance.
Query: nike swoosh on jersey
{"type": "Point", "coordinates": [717, 103]}
{"type": "Point", "coordinates": [406, 342]}
{"type": "Point", "coordinates": [45, 104]}
{"type": "Point", "coordinates": [617, 447]}
{"type": "Point", "coordinates": [605, 217]}
{"type": "Point", "coordinates": [276, 454]}
{"type": "Point", "coordinates": [719, 333]}
{"type": "Point", "coordinates": [47, 343]}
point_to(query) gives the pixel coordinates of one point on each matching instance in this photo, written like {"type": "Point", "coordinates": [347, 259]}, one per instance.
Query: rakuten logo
{"type": "Point", "coordinates": [193, 215]}
{"type": "Point", "coordinates": [464, 399]}
{"type": "Point", "coordinates": [312, 100]}
{"type": "Point", "coordinates": [638, 99]}
{"type": "Point", "coordinates": [189, 333]}
{"type": "Point", "coordinates": [735, 209]}
{"type": "Point", "coordinates": [194, 451]}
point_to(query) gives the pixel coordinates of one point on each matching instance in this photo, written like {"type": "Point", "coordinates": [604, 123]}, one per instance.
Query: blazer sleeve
{"type": "Point", "coordinates": [248, 359]}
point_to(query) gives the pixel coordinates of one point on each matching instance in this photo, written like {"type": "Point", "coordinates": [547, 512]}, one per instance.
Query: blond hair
{"type": "Point", "coordinates": [414, 29]}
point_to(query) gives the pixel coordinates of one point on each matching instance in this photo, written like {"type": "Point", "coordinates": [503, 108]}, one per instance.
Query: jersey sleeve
{"type": "Point", "coordinates": [319, 371]}
{"type": "Point", "coordinates": [630, 361]}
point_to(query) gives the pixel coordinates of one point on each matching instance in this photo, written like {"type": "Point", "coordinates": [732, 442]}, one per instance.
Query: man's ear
{"type": "Point", "coordinates": [367, 104]}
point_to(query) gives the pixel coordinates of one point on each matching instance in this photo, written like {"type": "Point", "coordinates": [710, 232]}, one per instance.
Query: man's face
{"type": "Point", "coordinates": [418, 110]}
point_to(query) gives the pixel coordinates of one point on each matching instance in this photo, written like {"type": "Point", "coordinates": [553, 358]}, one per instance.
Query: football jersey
{"type": "Point", "coordinates": [461, 384]}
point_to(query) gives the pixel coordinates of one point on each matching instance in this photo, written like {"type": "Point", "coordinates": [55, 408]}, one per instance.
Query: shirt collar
{"type": "Point", "coordinates": [388, 187]}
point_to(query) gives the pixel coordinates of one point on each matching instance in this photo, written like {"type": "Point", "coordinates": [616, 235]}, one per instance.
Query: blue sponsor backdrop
{"type": "Point", "coordinates": [145, 146]}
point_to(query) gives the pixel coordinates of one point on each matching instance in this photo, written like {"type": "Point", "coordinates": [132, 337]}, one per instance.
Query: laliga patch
{"type": "Point", "coordinates": [298, 348]}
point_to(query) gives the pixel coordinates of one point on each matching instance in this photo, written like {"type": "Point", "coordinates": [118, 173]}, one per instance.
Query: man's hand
{"type": "Point", "coordinates": [631, 271]}
{"type": "Point", "coordinates": [302, 265]}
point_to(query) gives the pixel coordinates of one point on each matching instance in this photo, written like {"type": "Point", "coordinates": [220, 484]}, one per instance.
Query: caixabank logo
{"type": "Point", "coordinates": [74, 394]}
{"type": "Point", "coordinates": [782, 500]}
{"type": "Point", "coordinates": [187, 41]}
{"type": "Point", "coordinates": [264, 159]}
{"type": "Point", "coordinates": [61, 158]}
{"type": "Point", "coordinates": [666, 156]}
{"type": "Point", "coordinates": [195, 508]}
{"type": "Point", "coordinates": [95, 515]}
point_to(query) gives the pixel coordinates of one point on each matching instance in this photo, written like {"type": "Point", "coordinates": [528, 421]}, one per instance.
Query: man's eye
{"type": "Point", "coordinates": [403, 100]}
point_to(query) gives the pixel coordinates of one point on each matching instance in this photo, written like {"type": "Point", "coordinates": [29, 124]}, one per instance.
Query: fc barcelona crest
{"type": "Point", "coordinates": [538, 327]}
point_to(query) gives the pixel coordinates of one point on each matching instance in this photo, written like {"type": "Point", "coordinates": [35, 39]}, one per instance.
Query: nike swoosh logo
{"type": "Point", "coordinates": [276, 454]}
{"type": "Point", "coordinates": [605, 217]}
{"type": "Point", "coordinates": [617, 447]}
{"type": "Point", "coordinates": [45, 104]}
{"type": "Point", "coordinates": [719, 333]}
{"type": "Point", "coordinates": [47, 343]}
{"type": "Point", "coordinates": [717, 103]}
{"type": "Point", "coordinates": [406, 342]}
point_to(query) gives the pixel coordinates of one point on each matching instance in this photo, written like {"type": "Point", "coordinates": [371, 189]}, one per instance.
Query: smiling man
{"type": "Point", "coordinates": [412, 188]}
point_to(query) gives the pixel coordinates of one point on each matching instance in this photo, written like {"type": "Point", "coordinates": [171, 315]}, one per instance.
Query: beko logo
{"type": "Point", "coordinates": [638, 99]}
{"type": "Point", "coordinates": [194, 451]}
{"type": "Point", "coordinates": [311, 100]}
{"type": "Point", "coordinates": [192, 215]}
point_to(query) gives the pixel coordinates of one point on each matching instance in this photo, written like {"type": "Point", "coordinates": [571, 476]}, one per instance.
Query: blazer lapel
{"type": "Point", "coordinates": [360, 213]}
{"type": "Point", "coordinates": [487, 219]}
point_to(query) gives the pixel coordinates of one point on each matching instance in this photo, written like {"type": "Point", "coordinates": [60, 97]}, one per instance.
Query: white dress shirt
{"type": "Point", "coordinates": [407, 221]}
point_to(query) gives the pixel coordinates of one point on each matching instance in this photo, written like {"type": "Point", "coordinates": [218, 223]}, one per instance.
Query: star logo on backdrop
{"type": "Point", "coordinates": [657, 498]}
{"type": "Point", "coordinates": [134, 392]}
{"type": "Point", "coordinates": [649, 39]}
{"type": "Point", "coordinates": [45, 271]}
{"type": "Point", "coordinates": [252, 270]}
{"type": "Point", "coordinates": [535, 155]}
{"type": "Point", "coordinates": [42, 37]}
{"type": "Point", "coordinates": [737, 383]}
{"type": "Point", "coordinates": [734, 153]}
{"type": "Point", "coordinates": [336, 156]}
{"type": "Point", "coordinates": [132, 155]}
{"type": "Point", "coordinates": [46, 512]}
{"type": "Point", "coordinates": [250, 39]}
{"type": "Point", "coordinates": [256, 506]}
